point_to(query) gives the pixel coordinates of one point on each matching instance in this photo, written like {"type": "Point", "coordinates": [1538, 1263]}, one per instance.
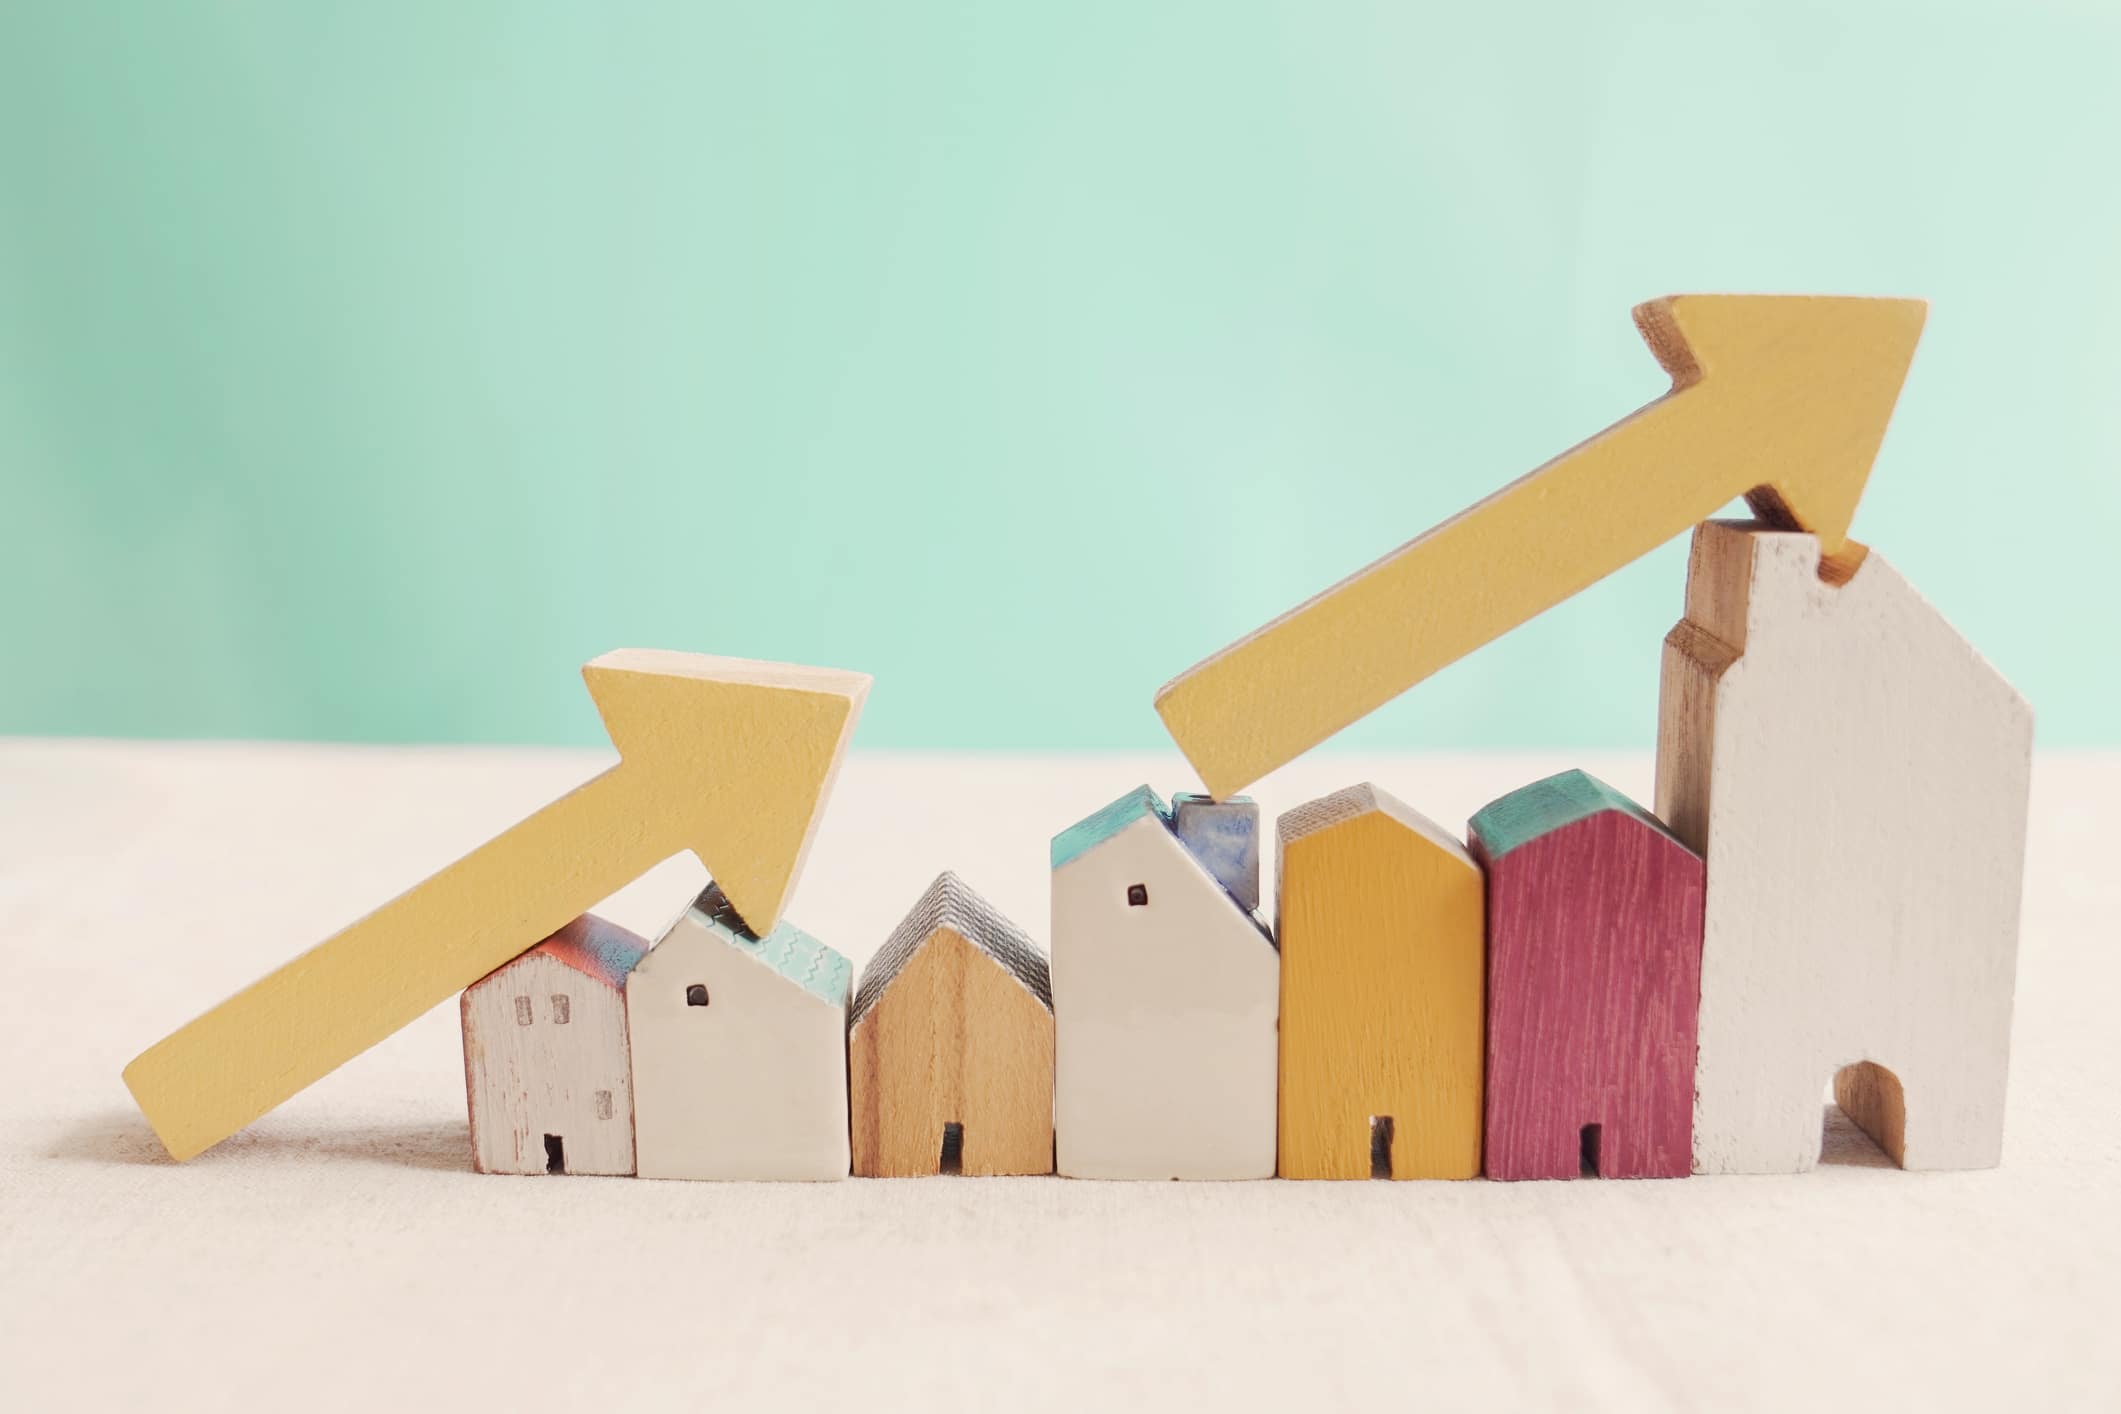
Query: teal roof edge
{"type": "Point", "coordinates": [1534, 811]}
{"type": "Point", "coordinates": [788, 950]}
{"type": "Point", "coordinates": [1093, 830]}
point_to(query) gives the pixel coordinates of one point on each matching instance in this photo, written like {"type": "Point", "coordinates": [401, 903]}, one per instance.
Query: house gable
{"type": "Point", "coordinates": [590, 945]}
{"type": "Point", "coordinates": [1540, 809]}
{"type": "Point", "coordinates": [951, 903]}
{"type": "Point", "coordinates": [1317, 816]}
{"type": "Point", "coordinates": [788, 952]}
{"type": "Point", "coordinates": [1140, 825]}
{"type": "Point", "coordinates": [1094, 829]}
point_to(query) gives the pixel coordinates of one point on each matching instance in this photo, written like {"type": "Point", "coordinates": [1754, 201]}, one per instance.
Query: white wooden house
{"type": "Point", "coordinates": [546, 1075]}
{"type": "Point", "coordinates": [1856, 776]}
{"type": "Point", "coordinates": [1165, 998]}
{"type": "Point", "coordinates": [739, 1051]}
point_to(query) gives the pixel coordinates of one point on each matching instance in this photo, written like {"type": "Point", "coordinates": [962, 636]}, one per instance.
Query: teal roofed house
{"type": "Point", "coordinates": [739, 1051]}
{"type": "Point", "coordinates": [1166, 995]}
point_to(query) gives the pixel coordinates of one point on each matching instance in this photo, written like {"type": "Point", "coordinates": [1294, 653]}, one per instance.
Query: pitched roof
{"type": "Point", "coordinates": [788, 950]}
{"type": "Point", "coordinates": [1541, 808]}
{"type": "Point", "coordinates": [1329, 810]}
{"type": "Point", "coordinates": [595, 948]}
{"type": "Point", "coordinates": [1093, 830]}
{"type": "Point", "coordinates": [952, 903]}
{"type": "Point", "coordinates": [1142, 803]}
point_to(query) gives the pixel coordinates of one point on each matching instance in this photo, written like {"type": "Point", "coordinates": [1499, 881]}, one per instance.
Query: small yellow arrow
{"type": "Point", "coordinates": [729, 758]}
{"type": "Point", "coordinates": [1783, 400]}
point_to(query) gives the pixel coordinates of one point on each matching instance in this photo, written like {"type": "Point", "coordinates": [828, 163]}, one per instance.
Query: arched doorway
{"type": "Point", "coordinates": [1872, 1098]}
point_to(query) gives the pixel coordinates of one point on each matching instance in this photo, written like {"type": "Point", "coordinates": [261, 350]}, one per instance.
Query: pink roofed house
{"type": "Point", "coordinates": [547, 1075]}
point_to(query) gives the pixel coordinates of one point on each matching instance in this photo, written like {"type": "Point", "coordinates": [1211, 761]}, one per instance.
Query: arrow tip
{"type": "Point", "coordinates": [738, 755]}
{"type": "Point", "coordinates": [1813, 378]}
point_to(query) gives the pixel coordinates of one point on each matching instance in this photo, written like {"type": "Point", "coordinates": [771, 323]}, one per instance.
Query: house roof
{"type": "Point", "coordinates": [1093, 830]}
{"type": "Point", "coordinates": [1138, 804]}
{"type": "Point", "coordinates": [593, 947]}
{"type": "Point", "coordinates": [788, 950]}
{"type": "Point", "coordinates": [952, 903]}
{"type": "Point", "coordinates": [1341, 805]}
{"type": "Point", "coordinates": [1541, 808]}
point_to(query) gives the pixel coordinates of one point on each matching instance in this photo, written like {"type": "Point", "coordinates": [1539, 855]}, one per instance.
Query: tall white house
{"type": "Point", "coordinates": [1165, 998]}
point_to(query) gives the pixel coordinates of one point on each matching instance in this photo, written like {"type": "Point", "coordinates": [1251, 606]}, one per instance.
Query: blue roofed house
{"type": "Point", "coordinates": [1166, 994]}
{"type": "Point", "coordinates": [739, 1051]}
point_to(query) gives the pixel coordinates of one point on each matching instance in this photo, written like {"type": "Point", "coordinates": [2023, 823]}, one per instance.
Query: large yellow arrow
{"type": "Point", "coordinates": [1781, 399]}
{"type": "Point", "coordinates": [729, 758]}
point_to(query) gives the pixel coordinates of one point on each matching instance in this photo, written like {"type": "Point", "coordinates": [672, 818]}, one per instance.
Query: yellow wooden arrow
{"type": "Point", "coordinates": [1781, 399]}
{"type": "Point", "coordinates": [729, 758]}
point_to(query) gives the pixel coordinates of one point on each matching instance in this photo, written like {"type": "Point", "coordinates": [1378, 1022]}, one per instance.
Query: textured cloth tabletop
{"type": "Point", "coordinates": [340, 1254]}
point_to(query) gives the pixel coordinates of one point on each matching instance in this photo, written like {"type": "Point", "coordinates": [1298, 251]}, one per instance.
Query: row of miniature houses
{"type": "Point", "coordinates": [1521, 1004]}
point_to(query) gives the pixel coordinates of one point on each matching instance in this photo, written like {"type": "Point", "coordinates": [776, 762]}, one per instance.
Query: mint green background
{"type": "Point", "coordinates": [366, 368]}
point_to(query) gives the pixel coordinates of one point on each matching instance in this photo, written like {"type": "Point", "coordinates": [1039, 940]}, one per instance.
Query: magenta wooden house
{"type": "Point", "coordinates": [1594, 984]}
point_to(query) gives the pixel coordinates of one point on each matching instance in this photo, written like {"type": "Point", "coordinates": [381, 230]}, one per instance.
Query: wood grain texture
{"type": "Point", "coordinates": [729, 758]}
{"type": "Point", "coordinates": [745, 1077]}
{"type": "Point", "coordinates": [548, 1081]}
{"type": "Point", "coordinates": [1379, 919]}
{"type": "Point", "coordinates": [1594, 984]}
{"type": "Point", "coordinates": [953, 1025]}
{"type": "Point", "coordinates": [1164, 1011]}
{"type": "Point", "coordinates": [1739, 366]}
{"type": "Point", "coordinates": [1856, 777]}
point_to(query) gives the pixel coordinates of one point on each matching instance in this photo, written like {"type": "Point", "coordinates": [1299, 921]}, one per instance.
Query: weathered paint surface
{"type": "Point", "coordinates": [1594, 984]}
{"type": "Point", "coordinates": [1224, 836]}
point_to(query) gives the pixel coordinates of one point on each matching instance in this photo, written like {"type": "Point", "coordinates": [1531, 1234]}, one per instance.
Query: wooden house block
{"type": "Point", "coordinates": [950, 1045]}
{"type": "Point", "coordinates": [547, 1077]}
{"type": "Point", "coordinates": [1594, 981]}
{"type": "Point", "coordinates": [1856, 777]}
{"type": "Point", "coordinates": [739, 1051]}
{"type": "Point", "coordinates": [1379, 918]}
{"type": "Point", "coordinates": [1224, 836]}
{"type": "Point", "coordinates": [1164, 1001]}
{"type": "Point", "coordinates": [728, 758]}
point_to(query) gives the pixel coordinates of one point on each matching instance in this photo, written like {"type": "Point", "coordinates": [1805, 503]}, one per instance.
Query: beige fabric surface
{"type": "Point", "coordinates": [341, 1256]}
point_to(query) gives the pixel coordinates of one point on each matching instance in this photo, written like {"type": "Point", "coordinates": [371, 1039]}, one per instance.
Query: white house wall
{"type": "Point", "coordinates": [751, 1086]}
{"type": "Point", "coordinates": [1863, 798]}
{"type": "Point", "coordinates": [567, 1079]}
{"type": "Point", "coordinates": [1164, 1017]}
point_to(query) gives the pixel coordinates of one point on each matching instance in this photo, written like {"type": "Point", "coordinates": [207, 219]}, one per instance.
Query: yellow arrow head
{"type": "Point", "coordinates": [1811, 380]}
{"type": "Point", "coordinates": [736, 756]}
